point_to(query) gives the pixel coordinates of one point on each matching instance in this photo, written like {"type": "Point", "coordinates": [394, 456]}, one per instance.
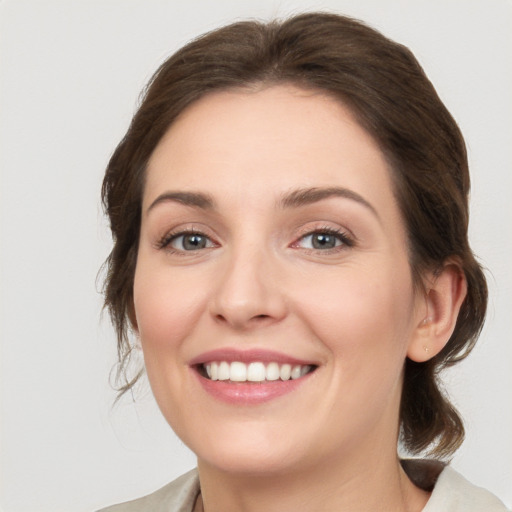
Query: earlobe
{"type": "Point", "coordinates": [445, 293]}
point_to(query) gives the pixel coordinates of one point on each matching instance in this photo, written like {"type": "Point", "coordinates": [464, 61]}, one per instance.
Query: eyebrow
{"type": "Point", "coordinates": [196, 199]}
{"type": "Point", "coordinates": [294, 199]}
{"type": "Point", "coordinates": [306, 196]}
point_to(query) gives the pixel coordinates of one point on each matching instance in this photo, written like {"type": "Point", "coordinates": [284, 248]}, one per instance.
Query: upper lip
{"type": "Point", "coordinates": [247, 356]}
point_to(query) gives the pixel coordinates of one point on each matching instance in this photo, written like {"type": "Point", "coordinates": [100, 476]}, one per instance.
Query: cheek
{"type": "Point", "coordinates": [167, 307]}
{"type": "Point", "coordinates": [365, 325]}
{"type": "Point", "coordinates": [361, 316]}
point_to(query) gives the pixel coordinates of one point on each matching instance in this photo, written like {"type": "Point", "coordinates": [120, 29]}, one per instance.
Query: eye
{"type": "Point", "coordinates": [186, 241]}
{"type": "Point", "coordinates": [324, 240]}
{"type": "Point", "coordinates": [190, 242]}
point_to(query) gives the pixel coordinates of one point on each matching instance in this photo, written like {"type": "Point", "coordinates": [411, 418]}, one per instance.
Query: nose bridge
{"type": "Point", "coordinates": [247, 288]}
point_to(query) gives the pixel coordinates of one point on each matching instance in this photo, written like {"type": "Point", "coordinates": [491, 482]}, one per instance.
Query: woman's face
{"type": "Point", "coordinates": [271, 244]}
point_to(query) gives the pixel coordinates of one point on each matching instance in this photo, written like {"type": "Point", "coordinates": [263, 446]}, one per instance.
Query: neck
{"type": "Point", "coordinates": [374, 484]}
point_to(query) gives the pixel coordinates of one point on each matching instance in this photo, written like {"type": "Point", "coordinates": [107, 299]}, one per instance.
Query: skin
{"type": "Point", "coordinates": [260, 284]}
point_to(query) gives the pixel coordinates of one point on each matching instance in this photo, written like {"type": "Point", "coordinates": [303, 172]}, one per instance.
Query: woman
{"type": "Point", "coordinates": [289, 212]}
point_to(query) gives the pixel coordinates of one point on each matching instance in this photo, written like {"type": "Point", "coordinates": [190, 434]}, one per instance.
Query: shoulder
{"type": "Point", "coordinates": [453, 493]}
{"type": "Point", "coordinates": [178, 496]}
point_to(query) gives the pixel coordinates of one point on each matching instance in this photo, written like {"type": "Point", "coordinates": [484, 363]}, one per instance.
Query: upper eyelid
{"type": "Point", "coordinates": [323, 227]}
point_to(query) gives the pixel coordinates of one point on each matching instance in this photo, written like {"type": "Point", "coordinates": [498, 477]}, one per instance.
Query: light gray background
{"type": "Point", "coordinates": [70, 75]}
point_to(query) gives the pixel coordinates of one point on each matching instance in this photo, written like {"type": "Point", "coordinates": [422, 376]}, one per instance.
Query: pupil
{"type": "Point", "coordinates": [192, 242]}
{"type": "Point", "coordinates": [323, 241]}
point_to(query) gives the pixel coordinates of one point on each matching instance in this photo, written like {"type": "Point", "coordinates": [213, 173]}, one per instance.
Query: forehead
{"type": "Point", "coordinates": [267, 141]}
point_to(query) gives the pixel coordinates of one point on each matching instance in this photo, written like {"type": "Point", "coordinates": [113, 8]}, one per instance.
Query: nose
{"type": "Point", "coordinates": [248, 292]}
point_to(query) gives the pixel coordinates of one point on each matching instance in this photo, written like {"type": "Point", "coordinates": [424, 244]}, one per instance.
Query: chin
{"type": "Point", "coordinates": [249, 463]}
{"type": "Point", "coordinates": [250, 454]}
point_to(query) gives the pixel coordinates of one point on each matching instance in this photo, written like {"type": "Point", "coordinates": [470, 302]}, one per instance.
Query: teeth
{"type": "Point", "coordinates": [223, 371]}
{"type": "Point", "coordinates": [238, 372]}
{"type": "Point", "coordinates": [272, 371]}
{"type": "Point", "coordinates": [285, 372]}
{"type": "Point", "coordinates": [296, 372]}
{"type": "Point", "coordinates": [254, 372]}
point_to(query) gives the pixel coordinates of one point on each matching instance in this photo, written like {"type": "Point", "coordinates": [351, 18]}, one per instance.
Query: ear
{"type": "Point", "coordinates": [444, 294]}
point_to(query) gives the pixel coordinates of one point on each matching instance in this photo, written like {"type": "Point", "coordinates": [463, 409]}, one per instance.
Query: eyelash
{"type": "Point", "coordinates": [345, 239]}
{"type": "Point", "coordinates": [168, 238]}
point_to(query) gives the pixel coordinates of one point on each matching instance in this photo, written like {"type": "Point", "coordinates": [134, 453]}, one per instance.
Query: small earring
{"type": "Point", "coordinates": [426, 320]}
{"type": "Point", "coordinates": [426, 349]}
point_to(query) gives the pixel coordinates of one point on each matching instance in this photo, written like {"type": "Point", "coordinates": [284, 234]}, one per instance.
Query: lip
{"type": "Point", "coordinates": [248, 393]}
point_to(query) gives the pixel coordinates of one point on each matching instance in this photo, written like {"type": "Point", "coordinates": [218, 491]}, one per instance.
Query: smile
{"type": "Point", "coordinates": [250, 377]}
{"type": "Point", "coordinates": [237, 371]}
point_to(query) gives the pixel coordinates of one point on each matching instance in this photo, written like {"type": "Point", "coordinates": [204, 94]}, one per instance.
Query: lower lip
{"type": "Point", "coordinates": [249, 393]}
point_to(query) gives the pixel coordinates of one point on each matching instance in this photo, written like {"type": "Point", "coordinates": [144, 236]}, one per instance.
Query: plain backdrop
{"type": "Point", "coordinates": [70, 75]}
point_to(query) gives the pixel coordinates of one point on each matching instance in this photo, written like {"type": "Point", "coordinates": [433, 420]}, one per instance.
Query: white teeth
{"type": "Point", "coordinates": [285, 372]}
{"type": "Point", "coordinates": [272, 371]}
{"type": "Point", "coordinates": [238, 372]}
{"type": "Point", "coordinates": [223, 371]}
{"type": "Point", "coordinates": [254, 372]}
{"type": "Point", "coordinates": [295, 372]}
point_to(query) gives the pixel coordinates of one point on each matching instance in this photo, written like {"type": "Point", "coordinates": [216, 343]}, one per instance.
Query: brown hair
{"type": "Point", "coordinates": [388, 92]}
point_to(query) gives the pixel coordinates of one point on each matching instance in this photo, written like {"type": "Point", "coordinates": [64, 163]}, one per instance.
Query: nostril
{"type": "Point", "coordinates": [233, 319]}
